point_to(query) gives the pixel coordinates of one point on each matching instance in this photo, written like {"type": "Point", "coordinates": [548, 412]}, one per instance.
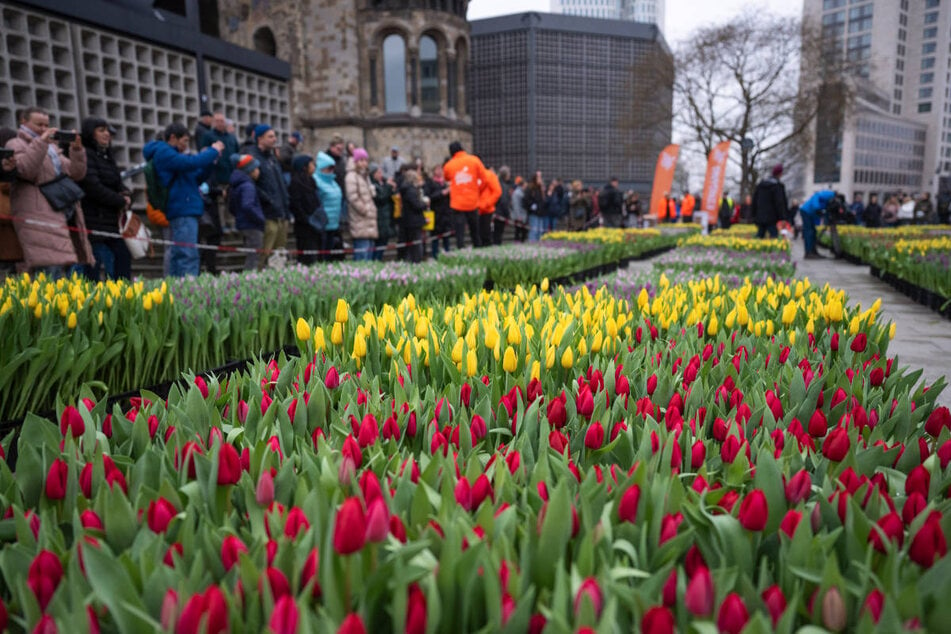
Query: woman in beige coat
{"type": "Point", "coordinates": [50, 244]}
{"type": "Point", "coordinates": [361, 208]}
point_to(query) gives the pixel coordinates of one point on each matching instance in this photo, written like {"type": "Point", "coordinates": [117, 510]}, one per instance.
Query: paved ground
{"type": "Point", "coordinates": [922, 337]}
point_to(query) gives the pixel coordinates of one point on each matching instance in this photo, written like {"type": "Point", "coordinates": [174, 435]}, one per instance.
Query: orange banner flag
{"type": "Point", "coordinates": [663, 178]}
{"type": "Point", "coordinates": [713, 185]}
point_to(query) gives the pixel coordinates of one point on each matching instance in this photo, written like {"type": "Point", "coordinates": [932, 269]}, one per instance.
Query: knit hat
{"type": "Point", "coordinates": [455, 147]}
{"type": "Point", "coordinates": [297, 135]}
{"type": "Point", "coordinates": [260, 130]}
{"type": "Point", "coordinates": [245, 162]}
{"type": "Point", "coordinates": [300, 162]}
{"type": "Point", "coordinates": [360, 154]}
{"type": "Point", "coordinates": [778, 170]}
{"type": "Point", "coordinates": [373, 168]}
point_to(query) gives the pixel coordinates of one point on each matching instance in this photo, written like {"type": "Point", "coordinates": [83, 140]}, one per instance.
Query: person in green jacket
{"type": "Point", "coordinates": [383, 190]}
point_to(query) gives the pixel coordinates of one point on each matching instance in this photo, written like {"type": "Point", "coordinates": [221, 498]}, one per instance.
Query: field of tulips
{"type": "Point", "coordinates": [119, 336]}
{"type": "Point", "coordinates": [705, 459]}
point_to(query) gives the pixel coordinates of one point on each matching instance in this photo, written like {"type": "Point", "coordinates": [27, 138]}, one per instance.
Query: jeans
{"type": "Point", "coordinates": [470, 219]}
{"type": "Point", "coordinates": [762, 230]}
{"type": "Point", "coordinates": [379, 251]}
{"type": "Point", "coordinates": [113, 260]}
{"type": "Point", "coordinates": [809, 231]}
{"type": "Point", "coordinates": [536, 227]}
{"type": "Point", "coordinates": [253, 239]}
{"type": "Point", "coordinates": [184, 259]}
{"type": "Point", "coordinates": [362, 249]}
{"type": "Point", "coordinates": [550, 223]}
{"type": "Point", "coordinates": [53, 272]}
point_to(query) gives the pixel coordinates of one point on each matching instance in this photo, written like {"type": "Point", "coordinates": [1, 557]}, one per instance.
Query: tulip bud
{"type": "Point", "coordinates": [416, 611]}
{"type": "Point", "coordinates": [833, 610]}
{"type": "Point", "coordinates": [285, 617]}
{"type": "Point", "coordinates": [378, 521]}
{"type": "Point", "coordinates": [590, 592]}
{"type": "Point", "coordinates": [231, 548]}
{"type": "Point", "coordinates": [928, 544]}
{"type": "Point", "coordinates": [939, 419]}
{"type": "Point", "coordinates": [798, 487]}
{"type": "Point", "coordinates": [264, 493]}
{"type": "Point", "coordinates": [229, 465]}
{"type": "Point", "coordinates": [874, 604]}
{"type": "Point", "coordinates": [775, 602]}
{"type": "Point", "coordinates": [169, 614]}
{"type": "Point", "coordinates": [207, 608]}
{"type": "Point", "coordinates": [353, 624]}
{"type": "Point", "coordinates": [790, 522]}
{"type": "Point", "coordinates": [350, 527]}
{"type": "Point", "coordinates": [71, 422]}
{"type": "Point", "coordinates": [658, 620]}
{"type": "Point", "coordinates": [160, 514]}
{"type": "Point", "coordinates": [594, 437]}
{"type": "Point", "coordinates": [836, 445]}
{"type": "Point", "coordinates": [44, 576]}
{"type": "Point", "coordinates": [733, 616]}
{"type": "Point", "coordinates": [627, 509]}
{"type": "Point", "coordinates": [56, 479]}
{"type": "Point", "coordinates": [754, 511]}
{"type": "Point", "coordinates": [700, 594]}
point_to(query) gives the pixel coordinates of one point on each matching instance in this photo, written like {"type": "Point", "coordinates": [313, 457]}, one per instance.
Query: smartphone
{"type": "Point", "coordinates": [64, 136]}
{"type": "Point", "coordinates": [6, 153]}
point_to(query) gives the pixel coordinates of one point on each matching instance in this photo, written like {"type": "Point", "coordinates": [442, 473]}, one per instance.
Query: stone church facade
{"type": "Point", "coordinates": [380, 73]}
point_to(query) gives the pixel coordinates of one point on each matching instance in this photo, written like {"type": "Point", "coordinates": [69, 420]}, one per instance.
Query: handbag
{"type": "Point", "coordinates": [430, 216]}
{"type": "Point", "coordinates": [138, 238]}
{"type": "Point", "coordinates": [62, 193]}
{"type": "Point", "coordinates": [318, 220]}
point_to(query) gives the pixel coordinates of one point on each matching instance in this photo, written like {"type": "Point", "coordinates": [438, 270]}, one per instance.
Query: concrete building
{"type": "Point", "coordinates": [573, 97]}
{"type": "Point", "coordinates": [897, 134]}
{"type": "Point", "coordinates": [647, 11]}
{"type": "Point", "coordinates": [378, 72]}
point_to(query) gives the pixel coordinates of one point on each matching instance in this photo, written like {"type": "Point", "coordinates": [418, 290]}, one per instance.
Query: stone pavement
{"type": "Point", "coordinates": [922, 338]}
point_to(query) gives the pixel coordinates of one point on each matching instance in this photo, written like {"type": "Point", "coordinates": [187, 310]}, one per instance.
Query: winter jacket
{"type": "Point", "coordinates": [103, 186]}
{"type": "Point", "coordinates": [503, 208]}
{"type": "Point", "coordinates": [53, 245]}
{"type": "Point", "coordinates": [243, 202]}
{"type": "Point", "coordinates": [490, 193]}
{"type": "Point", "coordinates": [817, 202]}
{"type": "Point", "coordinates": [383, 199]}
{"type": "Point", "coordinates": [534, 201]}
{"type": "Point", "coordinates": [360, 207]}
{"type": "Point", "coordinates": [181, 173]}
{"type": "Point", "coordinates": [556, 203]}
{"type": "Point", "coordinates": [222, 174]}
{"type": "Point", "coordinates": [304, 200]}
{"type": "Point", "coordinates": [413, 206]}
{"type": "Point", "coordinates": [611, 201]}
{"type": "Point", "coordinates": [518, 205]}
{"type": "Point", "coordinates": [873, 215]}
{"type": "Point", "coordinates": [271, 188]}
{"type": "Point", "coordinates": [466, 176]}
{"type": "Point", "coordinates": [579, 210]}
{"type": "Point", "coordinates": [687, 206]}
{"type": "Point", "coordinates": [331, 196]}
{"type": "Point", "coordinates": [439, 203]}
{"type": "Point", "coordinates": [340, 168]}
{"type": "Point", "coordinates": [769, 204]}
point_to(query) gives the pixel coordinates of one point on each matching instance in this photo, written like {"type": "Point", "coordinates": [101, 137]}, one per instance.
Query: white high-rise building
{"type": "Point", "coordinates": [649, 11]}
{"type": "Point", "coordinates": [897, 137]}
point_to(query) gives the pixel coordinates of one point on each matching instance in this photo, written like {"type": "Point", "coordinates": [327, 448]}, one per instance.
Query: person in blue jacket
{"type": "Point", "coordinates": [331, 198]}
{"type": "Point", "coordinates": [181, 173]}
{"type": "Point", "coordinates": [245, 206]}
{"type": "Point", "coordinates": [811, 210]}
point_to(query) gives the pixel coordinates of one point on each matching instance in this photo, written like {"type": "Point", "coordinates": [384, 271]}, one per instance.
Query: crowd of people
{"type": "Point", "coordinates": [67, 199]}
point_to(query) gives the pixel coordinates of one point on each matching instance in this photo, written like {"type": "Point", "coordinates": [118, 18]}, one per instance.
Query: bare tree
{"type": "Point", "coordinates": [739, 81]}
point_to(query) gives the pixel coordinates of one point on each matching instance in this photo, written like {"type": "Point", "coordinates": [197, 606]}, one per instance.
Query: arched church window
{"type": "Point", "coordinates": [264, 41]}
{"type": "Point", "coordinates": [394, 73]}
{"type": "Point", "coordinates": [429, 74]}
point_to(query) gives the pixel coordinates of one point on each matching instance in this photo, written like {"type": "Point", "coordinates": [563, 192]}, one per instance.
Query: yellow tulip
{"type": "Point", "coordinates": [491, 337]}
{"type": "Point", "coordinates": [545, 285]}
{"type": "Point", "coordinates": [147, 302]}
{"type": "Point", "coordinates": [550, 358]}
{"type": "Point", "coordinates": [303, 329]}
{"type": "Point", "coordinates": [71, 321]}
{"type": "Point", "coordinates": [342, 313]}
{"type": "Point", "coordinates": [336, 336]}
{"type": "Point", "coordinates": [567, 358]}
{"type": "Point", "coordinates": [582, 347]}
{"type": "Point", "coordinates": [713, 326]}
{"type": "Point", "coordinates": [891, 331]}
{"type": "Point", "coordinates": [510, 360]}
{"type": "Point", "coordinates": [38, 311]}
{"type": "Point", "coordinates": [792, 337]}
{"type": "Point", "coordinates": [319, 343]}
{"type": "Point", "coordinates": [457, 351]}
{"type": "Point", "coordinates": [536, 370]}
{"type": "Point", "coordinates": [422, 328]}
{"type": "Point", "coordinates": [472, 363]}
{"type": "Point", "coordinates": [514, 336]}
{"type": "Point", "coordinates": [789, 313]}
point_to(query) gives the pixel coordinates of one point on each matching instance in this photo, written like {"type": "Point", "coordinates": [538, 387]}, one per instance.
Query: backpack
{"type": "Point", "coordinates": [156, 195]}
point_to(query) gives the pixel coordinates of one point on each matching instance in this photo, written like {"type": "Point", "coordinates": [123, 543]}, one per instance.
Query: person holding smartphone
{"type": "Point", "coordinates": [54, 240]}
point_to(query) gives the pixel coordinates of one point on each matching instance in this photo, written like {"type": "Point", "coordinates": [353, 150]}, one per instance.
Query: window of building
{"type": "Point", "coordinates": [927, 62]}
{"type": "Point", "coordinates": [264, 41]}
{"type": "Point", "coordinates": [925, 93]}
{"type": "Point", "coordinates": [860, 12]}
{"type": "Point", "coordinates": [897, 94]}
{"type": "Point", "coordinates": [394, 73]}
{"type": "Point", "coordinates": [930, 33]}
{"type": "Point", "coordinates": [926, 78]}
{"type": "Point", "coordinates": [924, 107]}
{"type": "Point", "coordinates": [928, 47]}
{"type": "Point", "coordinates": [931, 4]}
{"type": "Point", "coordinates": [832, 4]}
{"type": "Point", "coordinates": [862, 24]}
{"type": "Point", "coordinates": [901, 49]}
{"type": "Point", "coordinates": [902, 35]}
{"type": "Point", "coordinates": [429, 74]}
{"type": "Point", "coordinates": [931, 17]}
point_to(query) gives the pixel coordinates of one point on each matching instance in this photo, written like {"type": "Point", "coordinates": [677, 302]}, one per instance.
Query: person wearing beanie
{"type": "Point", "coordinates": [467, 178]}
{"type": "Point", "coordinates": [272, 191]}
{"type": "Point", "coordinates": [360, 206]}
{"type": "Point", "coordinates": [309, 216]}
{"type": "Point", "coordinates": [245, 206]}
{"type": "Point", "coordinates": [391, 165]}
{"type": "Point", "coordinates": [769, 204]}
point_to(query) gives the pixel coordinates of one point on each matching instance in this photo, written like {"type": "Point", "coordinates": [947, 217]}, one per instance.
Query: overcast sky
{"type": "Point", "coordinates": [683, 16]}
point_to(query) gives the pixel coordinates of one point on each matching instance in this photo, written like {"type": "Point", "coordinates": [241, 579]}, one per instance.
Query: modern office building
{"type": "Point", "coordinates": [896, 136]}
{"type": "Point", "coordinates": [573, 97]}
{"type": "Point", "coordinates": [648, 11]}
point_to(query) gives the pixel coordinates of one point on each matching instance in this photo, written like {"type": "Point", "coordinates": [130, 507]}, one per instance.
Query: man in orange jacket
{"type": "Point", "coordinates": [467, 177]}
{"type": "Point", "coordinates": [687, 204]}
{"type": "Point", "coordinates": [662, 206]}
{"type": "Point", "coordinates": [488, 197]}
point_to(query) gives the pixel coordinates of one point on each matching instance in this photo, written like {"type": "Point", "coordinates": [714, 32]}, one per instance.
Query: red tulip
{"type": "Point", "coordinates": [627, 509]}
{"type": "Point", "coordinates": [876, 377]}
{"type": "Point", "coordinates": [90, 520]}
{"type": "Point", "coordinates": [311, 567]}
{"type": "Point", "coordinates": [557, 415]}
{"type": "Point", "coordinates": [594, 437]}
{"type": "Point", "coordinates": [202, 386]}
{"type": "Point", "coordinates": [174, 550]}
{"type": "Point", "coordinates": [834, 343]}
{"type": "Point", "coordinates": [378, 521]}
{"type": "Point", "coordinates": [775, 602]}
{"type": "Point", "coordinates": [160, 514]}
{"type": "Point", "coordinates": [914, 505]}
{"type": "Point", "coordinates": [56, 479]}
{"type": "Point", "coordinates": [658, 620]}
{"type": "Point", "coordinates": [700, 595]}
{"type": "Point", "coordinates": [296, 522]}
{"type": "Point", "coordinates": [46, 625]}
{"type": "Point", "coordinates": [918, 481]}
{"type": "Point", "coordinates": [557, 441]}
{"type": "Point", "coordinates": [264, 492]}
{"type": "Point", "coordinates": [590, 590]}
{"type": "Point", "coordinates": [651, 384]}
{"type": "Point", "coordinates": [43, 577]}
{"type": "Point", "coordinates": [229, 465]}
{"type": "Point", "coordinates": [798, 487]}
{"type": "Point", "coordinates": [669, 525]}
{"type": "Point", "coordinates": [332, 378]}
{"type": "Point", "coordinates": [836, 445]}
{"type": "Point", "coordinates": [698, 454]}
{"type": "Point", "coordinates": [733, 616]}
{"type": "Point", "coordinates": [416, 611]}
{"type": "Point", "coordinates": [790, 522]}
{"type": "Point", "coordinates": [874, 604]}
{"type": "Point", "coordinates": [939, 419]}
{"type": "Point", "coordinates": [463, 493]}
{"type": "Point", "coordinates": [71, 422]}
{"type": "Point", "coordinates": [477, 428]}
{"type": "Point", "coordinates": [928, 545]}
{"type": "Point", "coordinates": [353, 624]}
{"type": "Point", "coordinates": [754, 511]}
{"type": "Point", "coordinates": [585, 402]}
{"type": "Point", "coordinates": [369, 431]}
{"type": "Point", "coordinates": [206, 608]}
{"type": "Point", "coordinates": [285, 617]}
{"type": "Point", "coordinates": [231, 548]}
{"type": "Point", "coordinates": [818, 426]}
{"type": "Point", "coordinates": [277, 583]}
{"type": "Point", "coordinates": [350, 527]}
{"type": "Point", "coordinates": [859, 342]}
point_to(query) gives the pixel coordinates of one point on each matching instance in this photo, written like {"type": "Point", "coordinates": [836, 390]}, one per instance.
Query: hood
{"type": "Point", "coordinates": [324, 160]}
{"type": "Point", "coordinates": [89, 127]}
{"type": "Point", "coordinates": [151, 149]}
{"type": "Point", "coordinates": [238, 177]}
{"type": "Point", "coordinates": [770, 182]}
